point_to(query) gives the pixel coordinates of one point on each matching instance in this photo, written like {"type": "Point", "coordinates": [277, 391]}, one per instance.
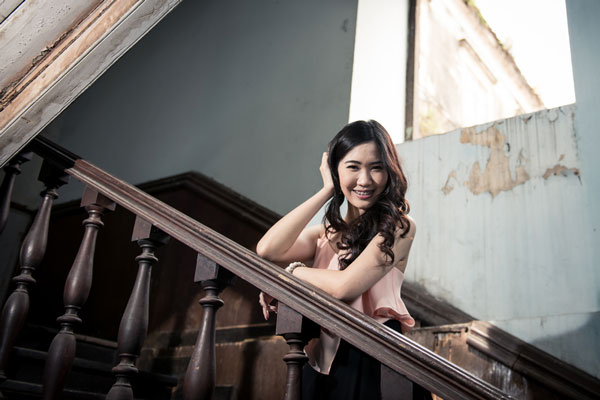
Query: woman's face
{"type": "Point", "coordinates": [362, 176]}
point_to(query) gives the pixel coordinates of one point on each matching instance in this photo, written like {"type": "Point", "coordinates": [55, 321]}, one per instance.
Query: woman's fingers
{"type": "Point", "coordinates": [264, 305]}
{"type": "Point", "coordinates": [326, 172]}
{"type": "Point", "coordinates": [265, 302]}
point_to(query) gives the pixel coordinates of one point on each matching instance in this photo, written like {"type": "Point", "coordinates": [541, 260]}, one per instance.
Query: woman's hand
{"type": "Point", "coordinates": [326, 174]}
{"type": "Point", "coordinates": [265, 302]}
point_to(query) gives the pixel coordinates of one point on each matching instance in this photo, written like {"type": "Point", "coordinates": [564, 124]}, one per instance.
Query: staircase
{"type": "Point", "coordinates": [248, 357]}
{"type": "Point", "coordinates": [90, 378]}
{"type": "Point", "coordinates": [249, 360]}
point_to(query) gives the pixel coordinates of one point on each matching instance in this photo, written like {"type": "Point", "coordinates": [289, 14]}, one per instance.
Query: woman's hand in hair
{"type": "Point", "coordinates": [326, 174]}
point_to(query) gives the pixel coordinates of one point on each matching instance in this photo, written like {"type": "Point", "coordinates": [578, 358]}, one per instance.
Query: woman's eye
{"type": "Point", "coordinates": [353, 167]}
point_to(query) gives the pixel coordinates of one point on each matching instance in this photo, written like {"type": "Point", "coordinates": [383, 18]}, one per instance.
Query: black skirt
{"type": "Point", "coordinates": [354, 375]}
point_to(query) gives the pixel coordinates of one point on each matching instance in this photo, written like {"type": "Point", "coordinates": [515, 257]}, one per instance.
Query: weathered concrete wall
{"type": "Point", "coordinates": [502, 230]}
{"type": "Point", "coordinates": [248, 93]}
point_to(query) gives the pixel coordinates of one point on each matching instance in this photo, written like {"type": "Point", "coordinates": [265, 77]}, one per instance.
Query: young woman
{"type": "Point", "coordinates": [359, 258]}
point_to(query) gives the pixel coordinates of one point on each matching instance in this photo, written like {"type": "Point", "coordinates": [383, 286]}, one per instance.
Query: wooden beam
{"type": "Point", "coordinates": [7, 7]}
{"type": "Point", "coordinates": [31, 31]}
{"type": "Point", "coordinates": [80, 58]}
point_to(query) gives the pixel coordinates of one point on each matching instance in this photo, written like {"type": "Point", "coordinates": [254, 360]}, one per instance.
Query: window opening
{"type": "Point", "coordinates": [476, 61]}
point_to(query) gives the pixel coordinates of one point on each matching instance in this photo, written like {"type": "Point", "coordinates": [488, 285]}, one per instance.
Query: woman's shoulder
{"type": "Point", "coordinates": [323, 237]}
{"type": "Point", "coordinates": [411, 220]}
{"type": "Point", "coordinates": [403, 231]}
{"type": "Point", "coordinates": [316, 232]}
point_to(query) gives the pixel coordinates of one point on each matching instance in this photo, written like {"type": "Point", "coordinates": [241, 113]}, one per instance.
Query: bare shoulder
{"type": "Point", "coordinates": [314, 232]}
{"type": "Point", "coordinates": [410, 232]}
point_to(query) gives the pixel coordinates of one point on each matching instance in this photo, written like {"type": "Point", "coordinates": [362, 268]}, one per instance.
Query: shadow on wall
{"type": "Point", "coordinates": [581, 345]}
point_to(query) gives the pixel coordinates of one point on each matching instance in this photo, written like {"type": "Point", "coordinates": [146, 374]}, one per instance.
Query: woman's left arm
{"type": "Point", "coordinates": [368, 268]}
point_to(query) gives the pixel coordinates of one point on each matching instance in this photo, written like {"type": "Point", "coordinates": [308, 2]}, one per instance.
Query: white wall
{"type": "Point", "coordinates": [248, 93]}
{"type": "Point", "coordinates": [380, 56]}
{"type": "Point", "coordinates": [584, 32]}
{"type": "Point", "coordinates": [503, 230]}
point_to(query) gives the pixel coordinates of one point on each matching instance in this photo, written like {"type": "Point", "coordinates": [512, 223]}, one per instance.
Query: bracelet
{"type": "Point", "coordinates": [290, 268]}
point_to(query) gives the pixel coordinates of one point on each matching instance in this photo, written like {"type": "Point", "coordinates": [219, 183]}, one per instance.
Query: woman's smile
{"type": "Point", "coordinates": [364, 194]}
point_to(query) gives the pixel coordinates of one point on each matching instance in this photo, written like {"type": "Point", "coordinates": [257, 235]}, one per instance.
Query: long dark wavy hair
{"type": "Point", "coordinates": [389, 211]}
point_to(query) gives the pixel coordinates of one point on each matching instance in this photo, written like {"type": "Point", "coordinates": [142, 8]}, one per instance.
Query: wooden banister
{"type": "Point", "coordinates": [297, 331]}
{"type": "Point", "coordinates": [61, 353]}
{"type": "Point", "coordinates": [10, 172]}
{"type": "Point", "coordinates": [200, 377]}
{"type": "Point", "coordinates": [33, 249]}
{"type": "Point", "coordinates": [134, 323]}
{"type": "Point", "coordinates": [397, 352]}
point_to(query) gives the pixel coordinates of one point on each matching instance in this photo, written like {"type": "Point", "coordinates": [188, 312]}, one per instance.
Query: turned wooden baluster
{"type": "Point", "coordinates": [297, 331]}
{"type": "Point", "coordinates": [77, 288]}
{"type": "Point", "coordinates": [10, 172]}
{"type": "Point", "coordinates": [199, 380]}
{"type": "Point", "coordinates": [33, 249]}
{"type": "Point", "coordinates": [134, 324]}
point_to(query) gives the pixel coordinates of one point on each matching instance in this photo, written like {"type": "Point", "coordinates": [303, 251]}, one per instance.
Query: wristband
{"type": "Point", "coordinates": [290, 268]}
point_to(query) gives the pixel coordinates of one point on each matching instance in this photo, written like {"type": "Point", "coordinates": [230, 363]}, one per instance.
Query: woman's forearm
{"type": "Point", "coordinates": [330, 281]}
{"type": "Point", "coordinates": [282, 236]}
{"type": "Point", "coordinates": [366, 270]}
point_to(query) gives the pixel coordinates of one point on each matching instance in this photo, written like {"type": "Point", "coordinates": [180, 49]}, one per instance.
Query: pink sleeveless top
{"type": "Point", "coordinates": [381, 302]}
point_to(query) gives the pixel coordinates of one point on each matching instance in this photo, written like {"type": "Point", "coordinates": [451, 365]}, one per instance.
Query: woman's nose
{"type": "Point", "coordinates": [364, 178]}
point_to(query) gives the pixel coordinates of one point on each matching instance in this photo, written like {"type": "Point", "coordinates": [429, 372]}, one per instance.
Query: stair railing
{"type": "Point", "coordinates": [389, 347]}
{"type": "Point", "coordinates": [12, 169]}
{"type": "Point", "coordinates": [33, 249]}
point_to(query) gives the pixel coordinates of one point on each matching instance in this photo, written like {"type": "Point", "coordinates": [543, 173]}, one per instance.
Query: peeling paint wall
{"type": "Point", "coordinates": [501, 216]}
{"type": "Point", "coordinates": [497, 175]}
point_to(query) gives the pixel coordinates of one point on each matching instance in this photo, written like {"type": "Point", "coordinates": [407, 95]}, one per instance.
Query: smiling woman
{"type": "Point", "coordinates": [359, 258]}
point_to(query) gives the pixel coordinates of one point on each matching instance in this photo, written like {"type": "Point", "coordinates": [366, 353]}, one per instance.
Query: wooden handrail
{"type": "Point", "coordinates": [396, 351]}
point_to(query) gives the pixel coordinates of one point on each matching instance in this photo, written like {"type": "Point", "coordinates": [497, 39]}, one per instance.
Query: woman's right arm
{"type": "Point", "coordinates": [288, 240]}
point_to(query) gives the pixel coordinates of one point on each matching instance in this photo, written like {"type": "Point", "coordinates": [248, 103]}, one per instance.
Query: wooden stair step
{"type": "Point", "coordinates": [512, 365]}
{"type": "Point", "coordinates": [88, 378]}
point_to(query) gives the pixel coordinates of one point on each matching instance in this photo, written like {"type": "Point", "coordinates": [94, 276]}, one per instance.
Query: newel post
{"type": "Point", "coordinates": [297, 331]}
{"type": "Point", "coordinates": [10, 172]}
{"type": "Point", "coordinates": [134, 324]}
{"type": "Point", "coordinates": [199, 383]}
{"type": "Point", "coordinates": [77, 288]}
{"type": "Point", "coordinates": [33, 249]}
